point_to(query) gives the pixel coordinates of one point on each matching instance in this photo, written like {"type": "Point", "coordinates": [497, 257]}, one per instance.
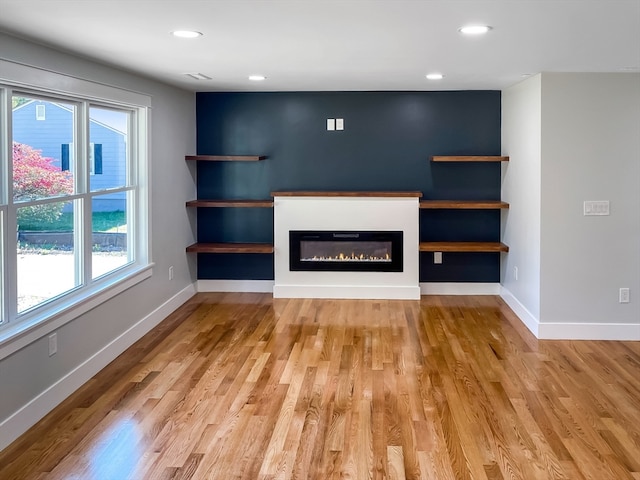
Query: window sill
{"type": "Point", "coordinates": [16, 336]}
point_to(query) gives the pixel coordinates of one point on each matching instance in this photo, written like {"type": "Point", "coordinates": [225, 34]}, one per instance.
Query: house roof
{"type": "Point", "coordinates": [338, 44]}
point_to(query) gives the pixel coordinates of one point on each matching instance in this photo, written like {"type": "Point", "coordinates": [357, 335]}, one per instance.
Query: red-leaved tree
{"type": "Point", "coordinates": [35, 177]}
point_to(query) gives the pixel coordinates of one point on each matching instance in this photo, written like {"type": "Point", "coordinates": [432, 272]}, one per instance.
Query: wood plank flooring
{"type": "Point", "coordinates": [242, 386]}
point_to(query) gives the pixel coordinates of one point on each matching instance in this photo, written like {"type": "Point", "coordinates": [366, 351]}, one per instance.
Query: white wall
{"type": "Point", "coordinates": [521, 141]}
{"type": "Point", "coordinates": [573, 137]}
{"type": "Point", "coordinates": [590, 151]}
{"type": "Point", "coordinates": [32, 382]}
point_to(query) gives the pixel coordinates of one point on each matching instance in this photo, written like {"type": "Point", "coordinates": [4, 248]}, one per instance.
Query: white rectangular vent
{"type": "Point", "coordinates": [198, 76]}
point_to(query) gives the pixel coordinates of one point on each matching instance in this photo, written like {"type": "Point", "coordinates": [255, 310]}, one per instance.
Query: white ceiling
{"type": "Point", "coordinates": [337, 44]}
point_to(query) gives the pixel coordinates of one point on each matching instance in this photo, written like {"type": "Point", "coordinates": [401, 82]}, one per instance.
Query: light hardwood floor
{"type": "Point", "coordinates": [245, 386]}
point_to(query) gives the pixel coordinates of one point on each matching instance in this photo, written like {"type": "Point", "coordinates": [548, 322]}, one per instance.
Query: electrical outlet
{"type": "Point", "coordinates": [515, 273]}
{"type": "Point", "coordinates": [437, 257]}
{"type": "Point", "coordinates": [171, 272]}
{"type": "Point", "coordinates": [331, 123]}
{"type": "Point", "coordinates": [53, 344]}
{"type": "Point", "coordinates": [624, 295]}
{"type": "Point", "coordinates": [339, 123]}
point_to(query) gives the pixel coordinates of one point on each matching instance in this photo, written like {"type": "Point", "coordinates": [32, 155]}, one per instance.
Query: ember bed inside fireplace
{"type": "Point", "coordinates": [345, 251]}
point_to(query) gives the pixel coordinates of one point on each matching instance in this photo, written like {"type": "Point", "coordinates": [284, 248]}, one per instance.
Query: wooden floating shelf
{"type": "Point", "coordinates": [463, 204]}
{"type": "Point", "coordinates": [463, 247]}
{"type": "Point", "coordinates": [231, 203]}
{"type": "Point", "coordinates": [468, 158]}
{"type": "Point", "coordinates": [230, 248]}
{"type": "Point", "coordinates": [226, 158]}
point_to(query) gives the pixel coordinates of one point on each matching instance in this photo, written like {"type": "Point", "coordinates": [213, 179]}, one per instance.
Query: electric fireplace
{"type": "Point", "coordinates": [345, 251]}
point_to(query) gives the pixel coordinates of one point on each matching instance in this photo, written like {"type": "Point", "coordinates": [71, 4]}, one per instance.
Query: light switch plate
{"type": "Point", "coordinates": [339, 123]}
{"type": "Point", "coordinates": [331, 123]}
{"type": "Point", "coordinates": [596, 207]}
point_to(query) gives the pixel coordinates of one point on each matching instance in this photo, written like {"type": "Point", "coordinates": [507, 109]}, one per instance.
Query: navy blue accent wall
{"type": "Point", "coordinates": [387, 144]}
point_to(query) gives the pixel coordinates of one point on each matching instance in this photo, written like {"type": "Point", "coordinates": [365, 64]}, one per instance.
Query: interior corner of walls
{"type": "Point", "coordinates": [570, 331]}
{"type": "Point", "coordinates": [525, 316]}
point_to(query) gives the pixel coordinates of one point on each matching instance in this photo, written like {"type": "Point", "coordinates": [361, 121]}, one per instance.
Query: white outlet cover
{"type": "Point", "coordinates": [331, 123]}
{"type": "Point", "coordinates": [53, 344]}
{"type": "Point", "coordinates": [339, 123]}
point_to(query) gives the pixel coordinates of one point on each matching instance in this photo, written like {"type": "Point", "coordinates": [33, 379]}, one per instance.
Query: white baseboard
{"type": "Point", "coordinates": [589, 331]}
{"type": "Point", "coordinates": [571, 331]}
{"type": "Point", "coordinates": [452, 288]}
{"type": "Point", "coordinates": [18, 423]}
{"type": "Point", "coordinates": [290, 291]}
{"type": "Point", "coordinates": [372, 292]}
{"type": "Point", "coordinates": [250, 286]}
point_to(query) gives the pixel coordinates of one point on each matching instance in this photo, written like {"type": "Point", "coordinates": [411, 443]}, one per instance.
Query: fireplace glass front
{"type": "Point", "coordinates": [345, 251]}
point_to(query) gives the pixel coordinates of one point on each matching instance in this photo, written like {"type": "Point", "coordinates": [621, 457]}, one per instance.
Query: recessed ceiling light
{"type": "Point", "coordinates": [257, 78]}
{"type": "Point", "coordinates": [186, 34]}
{"type": "Point", "coordinates": [435, 76]}
{"type": "Point", "coordinates": [474, 29]}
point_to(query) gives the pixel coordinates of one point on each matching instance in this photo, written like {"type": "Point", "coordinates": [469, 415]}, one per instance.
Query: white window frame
{"type": "Point", "coordinates": [17, 331]}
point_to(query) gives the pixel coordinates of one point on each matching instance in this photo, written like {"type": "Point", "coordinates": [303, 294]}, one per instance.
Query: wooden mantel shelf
{"type": "Point", "coordinates": [386, 194]}
{"type": "Point", "coordinates": [231, 248]}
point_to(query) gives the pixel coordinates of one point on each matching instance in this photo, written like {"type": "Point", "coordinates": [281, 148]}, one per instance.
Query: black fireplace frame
{"type": "Point", "coordinates": [296, 264]}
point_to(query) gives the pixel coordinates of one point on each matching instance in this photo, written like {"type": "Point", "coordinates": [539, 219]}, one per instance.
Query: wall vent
{"type": "Point", "coordinates": [198, 76]}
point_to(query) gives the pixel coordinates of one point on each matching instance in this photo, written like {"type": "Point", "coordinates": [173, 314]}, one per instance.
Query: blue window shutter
{"type": "Point", "coordinates": [64, 162]}
{"type": "Point", "coordinates": [97, 159]}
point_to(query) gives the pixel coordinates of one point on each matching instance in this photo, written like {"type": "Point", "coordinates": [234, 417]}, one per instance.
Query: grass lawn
{"type": "Point", "coordinates": [102, 222]}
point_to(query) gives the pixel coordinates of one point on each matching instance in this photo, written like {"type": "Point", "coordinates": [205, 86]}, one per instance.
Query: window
{"type": "Point", "coordinates": [73, 189]}
{"type": "Point", "coordinates": [95, 157]}
{"type": "Point", "coordinates": [40, 112]}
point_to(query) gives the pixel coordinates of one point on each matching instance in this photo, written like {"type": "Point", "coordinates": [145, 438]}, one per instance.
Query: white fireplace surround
{"type": "Point", "coordinates": [347, 211]}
